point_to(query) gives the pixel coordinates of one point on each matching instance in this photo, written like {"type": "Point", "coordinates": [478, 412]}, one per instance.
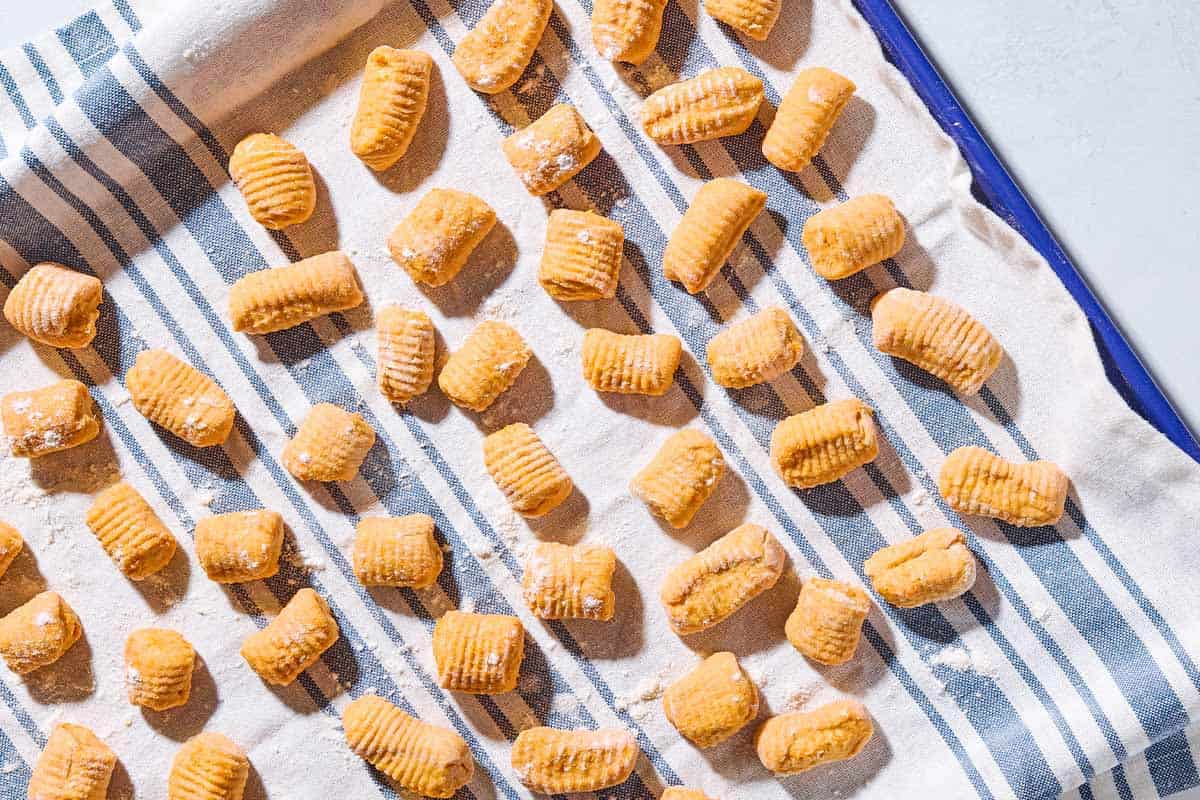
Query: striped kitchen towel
{"type": "Point", "coordinates": [1071, 668]}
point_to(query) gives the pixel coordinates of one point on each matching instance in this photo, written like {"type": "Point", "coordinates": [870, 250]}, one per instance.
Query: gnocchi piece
{"type": "Point", "coordinates": [552, 149]}
{"type": "Point", "coordinates": [630, 364]}
{"type": "Point", "coordinates": [805, 117]}
{"type": "Point", "coordinates": [130, 531]}
{"type": "Point", "coordinates": [528, 474]}
{"type": "Point", "coordinates": [976, 482]}
{"type": "Point", "coordinates": [478, 653]}
{"type": "Point", "coordinates": [158, 668]}
{"type": "Point", "coordinates": [392, 100]}
{"type": "Point", "coordinates": [293, 641]}
{"type": "Point", "coordinates": [757, 349]}
{"type": "Point", "coordinates": [681, 477]}
{"type": "Point", "coordinates": [330, 445]}
{"type": "Point", "coordinates": [936, 335]}
{"type": "Point", "coordinates": [824, 444]}
{"type": "Point", "coordinates": [432, 244]}
{"type": "Point", "coordinates": [711, 585]}
{"type": "Point", "coordinates": [626, 30]}
{"type": "Point", "coordinates": [930, 568]}
{"type": "Point", "coordinates": [711, 227]}
{"type": "Point", "coordinates": [494, 54]}
{"type": "Point", "coordinates": [486, 366]}
{"type": "Point", "coordinates": [38, 633]}
{"type": "Point", "coordinates": [570, 582]}
{"type": "Point", "coordinates": [754, 18]}
{"type": "Point", "coordinates": [552, 761]}
{"type": "Point", "coordinates": [275, 179]}
{"type": "Point", "coordinates": [846, 239]}
{"type": "Point", "coordinates": [180, 398]}
{"type": "Point", "coordinates": [209, 766]}
{"type": "Point", "coordinates": [55, 417]}
{"type": "Point", "coordinates": [792, 743]}
{"type": "Point", "coordinates": [406, 352]}
{"type": "Point", "coordinates": [582, 258]}
{"type": "Point", "coordinates": [75, 764]}
{"type": "Point", "coordinates": [55, 306]}
{"type": "Point", "coordinates": [271, 300]}
{"type": "Point", "coordinates": [682, 793]}
{"type": "Point", "coordinates": [10, 546]}
{"type": "Point", "coordinates": [426, 759]}
{"type": "Point", "coordinates": [397, 551]}
{"type": "Point", "coordinates": [713, 701]}
{"type": "Point", "coordinates": [718, 102]}
{"type": "Point", "coordinates": [827, 621]}
{"type": "Point", "coordinates": [240, 546]}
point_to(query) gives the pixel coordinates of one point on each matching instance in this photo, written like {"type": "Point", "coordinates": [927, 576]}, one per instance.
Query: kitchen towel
{"type": "Point", "coordinates": [1070, 668]}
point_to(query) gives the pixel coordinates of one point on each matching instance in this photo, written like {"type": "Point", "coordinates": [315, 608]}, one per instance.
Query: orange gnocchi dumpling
{"type": "Point", "coordinates": [180, 398]}
{"type": "Point", "coordinates": [46, 420]}
{"type": "Point", "coordinates": [846, 239]}
{"type": "Point", "coordinates": [432, 244]}
{"type": "Point", "coordinates": [209, 766]}
{"type": "Point", "coordinates": [718, 102]}
{"type": "Point", "coordinates": [525, 470]}
{"type": "Point", "coordinates": [283, 297]}
{"type": "Point", "coordinates": [486, 366]}
{"type": "Point", "coordinates": [275, 179]}
{"type": "Point", "coordinates": [552, 761]}
{"type": "Point", "coordinates": [582, 257]}
{"type": "Point", "coordinates": [793, 743]}
{"type": "Point", "coordinates": [755, 18]}
{"type": "Point", "coordinates": [55, 306]}
{"type": "Point", "coordinates": [426, 759]}
{"type": "Point", "coordinates": [713, 701]}
{"type": "Point", "coordinates": [681, 476]}
{"type": "Point", "coordinates": [494, 54]}
{"type": "Point", "coordinates": [330, 445]}
{"type": "Point", "coordinates": [38, 633]}
{"type": "Point", "coordinates": [976, 482]}
{"type": "Point", "coordinates": [240, 546]}
{"type": "Point", "coordinates": [930, 568]}
{"type": "Point", "coordinates": [757, 349]}
{"type": "Point", "coordinates": [158, 668]}
{"type": "Point", "coordinates": [630, 363]}
{"type": "Point", "coordinates": [825, 443]}
{"type": "Point", "coordinates": [711, 227]}
{"type": "Point", "coordinates": [570, 582]}
{"type": "Point", "coordinates": [683, 793]}
{"type": "Point", "coordinates": [130, 531]}
{"type": "Point", "coordinates": [75, 764]}
{"type": "Point", "coordinates": [827, 621]}
{"type": "Point", "coordinates": [10, 546]}
{"type": "Point", "coordinates": [805, 117]}
{"type": "Point", "coordinates": [626, 30]}
{"type": "Point", "coordinates": [392, 100]}
{"type": "Point", "coordinates": [293, 641]}
{"type": "Point", "coordinates": [478, 653]}
{"type": "Point", "coordinates": [551, 150]}
{"type": "Point", "coordinates": [397, 551]}
{"type": "Point", "coordinates": [406, 352]}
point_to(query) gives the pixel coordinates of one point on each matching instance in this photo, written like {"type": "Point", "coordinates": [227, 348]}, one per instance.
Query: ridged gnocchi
{"type": "Point", "coordinates": [681, 477]}
{"type": "Point", "coordinates": [275, 180]}
{"type": "Point", "coordinates": [793, 743]}
{"type": "Point", "coordinates": [825, 443]}
{"type": "Point", "coordinates": [293, 641]}
{"type": "Point", "coordinates": [718, 102]}
{"type": "Point", "coordinates": [846, 239]}
{"type": "Point", "coordinates": [713, 701]}
{"type": "Point", "coordinates": [429, 760]}
{"type": "Point", "coordinates": [330, 445]}
{"type": "Point", "coordinates": [630, 363]}
{"type": "Point", "coordinates": [46, 420]}
{"type": "Point", "coordinates": [757, 349]}
{"type": "Point", "coordinates": [582, 256]}
{"type": "Point", "coordinates": [930, 568]}
{"type": "Point", "coordinates": [827, 621]}
{"type": "Point", "coordinates": [130, 531]}
{"type": "Point", "coordinates": [10, 546]}
{"type": "Point", "coordinates": [709, 231]}
{"type": "Point", "coordinates": [525, 470]}
{"type": "Point", "coordinates": [486, 366]}
{"type": "Point", "coordinates": [209, 766]}
{"type": "Point", "coordinates": [158, 668]}
{"type": "Point", "coordinates": [478, 653]}
{"type": "Point", "coordinates": [626, 30]}
{"type": "Point", "coordinates": [711, 585]}
{"type": "Point", "coordinates": [75, 764]}
{"type": "Point", "coordinates": [682, 793]}
{"type": "Point", "coordinates": [755, 18]}
{"type": "Point", "coordinates": [177, 396]}
{"type": "Point", "coordinates": [397, 551]}
{"type": "Point", "coordinates": [38, 633]}
{"type": "Point", "coordinates": [433, 242]}
{"type": "Point", "coordinates": [494, 54]}
{"type": "Point", "coordinates": [55, 305]}
{"type": "Point", "coordinates": [552, 761]}
{"type": "Point", "coordinates": [552, 149]}
{"type": "Point", "coordinates": [240, 546]}
{"type": "Point", "coordinates": [976, 482]}
{"type": "Point", "coordinates": [936, 335]}
{"type": "Point", "coordinates": [805, 117]}
{"type": "Point", "coordinates": [406, 352]}
{"type": "Point", "coordinates": [283, 297]}
{"type": "Point", "coordinates": [395, 90]}
{"type": "Point", "coordinates": [570, 582]}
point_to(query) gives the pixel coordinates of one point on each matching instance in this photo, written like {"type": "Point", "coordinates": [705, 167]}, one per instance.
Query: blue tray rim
{"type": "Point", "coordinates": [1003, 196]}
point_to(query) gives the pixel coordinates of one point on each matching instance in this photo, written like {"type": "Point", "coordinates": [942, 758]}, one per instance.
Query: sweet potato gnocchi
{"type": "Point", "coordinates": [755, 18]}
{"type": "Point", "coordinates": [525, 470]}
{"type": "Point", "coordinates": [552, 761]}
{"type": "Point", "coordinates": [177, 396]}
{"type": "Point", "coordinates": [55, 305]}
{"type": "Point", "coordinates": [793, 743]}
{"type": "Point", "coordinates": [293, 641]}
{"type": "Point", "coordinates": [158, 668]}
{"type": "Point", "coordinates": [630, 363]}
{"type": "Point", "coordinates": [713, 701]}
{"type": "Point", "coordinates": [478, 653]}
{"type": "Point", "coordinates": [486, 366]}
{"type": "Point", "coordinates": [582, 257]}
{"type": "Point", "coordinates": [709, 231]}
{"type": "Point", "coordinates": [209, 766]}
{"type": "Point", "coordinates": [274, 299]}
{"type": "Point", "coordinates": [846, 239]}
{"type": "Point", "coordinates": [10, 546]}
{"type": "Point", "coordinates": [626, 30]}
{"type": "Point", "coordinates": [827, 621]}
{"type": "Point", "coordinates": [46, 420]}
{"type": "Point", "coordinates": [406, 353]}
{"type": "Point", "coordinates": [683, 793]}
{"type": "Point", "coordinates": [75, 764]}
{"type": "Point", "coordinates": [570, 582]}
{"type": "Point", "coordinates": [432, 244]}
{"type": "Point", "coordinates": [392, 100]}
{"type": "Point", "coordinates": [494, 54]}
{"type": "Point", "coordinates": [716, 103]}
{"type": "Point", "coordinates": [38, 633]}
{"type": "Point", "coordinates": [552, 149]}
{"type": "Point", "coordinates": [240, 546]}
{"type": "Point", "coordinates": [803, 121]}
{"type": "Point", "coordinates": [130, 531]}
{"type": "Point", "coordinates": [976, 482]}
{"type": "Point", "coordinates": [760, 348]}
{"type": "Point", "coordinates": [930, 568]}
{"type": "Point", "coordinates": [824, 444]}
{"type": "Point", "coordinates": [397, 551]}
{"type": "Point", "coordinates": [681, 477]}
{"type": "Point", "coordinates": [330, 445]}
{"type": "Point", "coordinates": [275, 180]}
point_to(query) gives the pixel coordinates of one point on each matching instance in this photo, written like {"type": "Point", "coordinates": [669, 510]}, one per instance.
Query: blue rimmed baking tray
{"type": "Point", "coordinates": [997, 189]}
